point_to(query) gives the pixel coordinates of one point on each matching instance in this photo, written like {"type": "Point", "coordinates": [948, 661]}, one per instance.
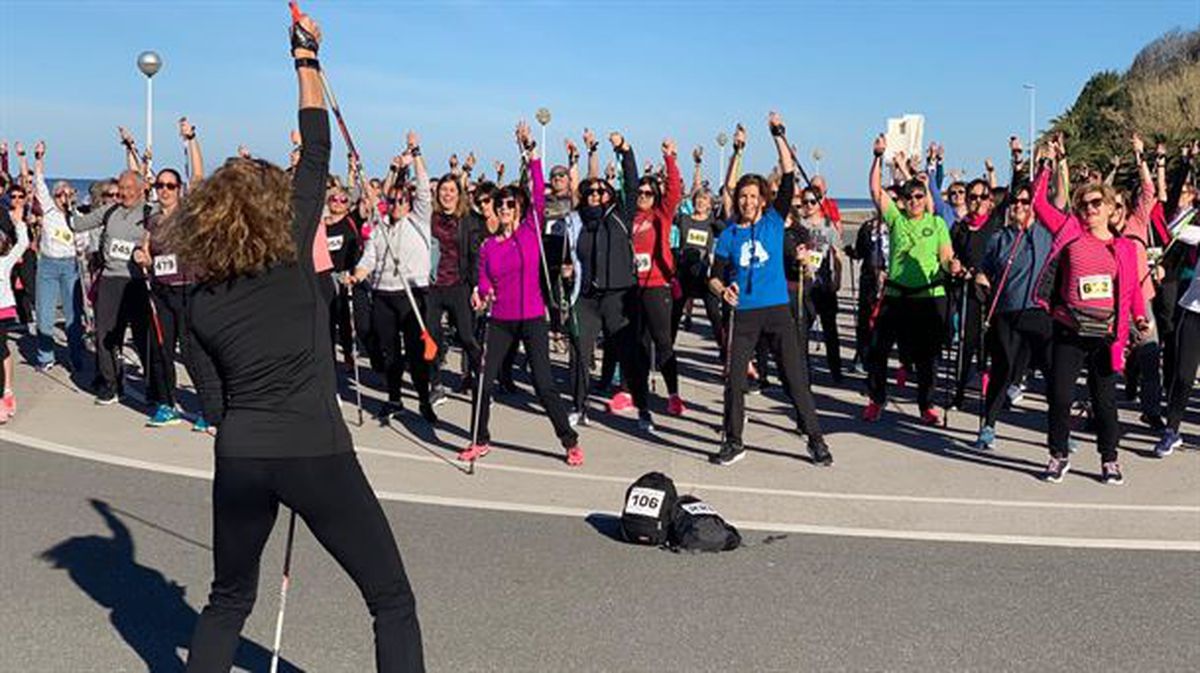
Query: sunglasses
{"type": "Point", "coordinates": [957, 192]}
{"type": "Point", "coordinates": [646, 192]}
{"type": "Point", "coordinates": [110, 195]}
{"type": "Point", "coordinates": [509, 203]}
{"type": "Point", "coordinates": [339, 199]}
{"type": "Point", "coordinates": [16, 195]}
{"type": "Point", "coordinates": [557, 175]}
{"type": "Point", "coordinates": [593, 190]}
{"type": "Point", "coordinates": [916, 197]}
{"type": "Point", "coordinates": [1021, 202]}
{"type": "Point", "coordinates": [977, 197]}
{"type": "Point", "coordinates": [166, 185]}
{"type": "Point", "coordinates": [483, 199]}
{"type": "Point", "coordinates": [811, 202]}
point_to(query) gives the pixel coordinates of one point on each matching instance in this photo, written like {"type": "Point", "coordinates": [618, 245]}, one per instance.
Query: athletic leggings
{"type": "Point", "coordinates": [399, 337]}
{"type": "Point", "coordinates": [1014, 337]}
{"type": "Point", "coordinates": [1142, 370]}
{"type": "Point", "coordinates": [779, 327]}
{"type": "Point", "coordinates": [170, 303]}
{"type": "Point", "coordinates": [454, 301]}
{"type": "Point", "coordinates": [653, 329]}
{"type": "Point", "coordinates": [1187, 355]}
{"type": "Point", "coordinates": [333, 497]}
{"type": "Point", "coordinates": [825, 305]}
{"type": "Point", "coordinates": [607, 312]}
{"type": "Point", "coordinates": [1069, 354]}
{"type": "Point", "coordinates": [917, 326]}
{"type": "Point", "coordinates": [971, 330]}
{"type": "Point", "coordinates": [341, 329]}
{"type": "Point", "coordinates": [712, 309]}
{"type": "Point", "coordinates": [534, 334]}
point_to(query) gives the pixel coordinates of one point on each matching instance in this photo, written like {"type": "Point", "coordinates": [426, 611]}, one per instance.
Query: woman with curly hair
{"type": "Point", "coordinates": [267, 382]}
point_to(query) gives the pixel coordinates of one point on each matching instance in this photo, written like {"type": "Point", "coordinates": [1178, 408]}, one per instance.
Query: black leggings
{"type": "Point", "coordinates": [454, 301]}
{"type": "Point", "coordinates": [333, 497]}
{"type": "Point", "coordinates": [712, 309]}
{"type": "Point", "coordinates": [608, 312]}
{"type": "Point", "coordinates": [916, 326]}
{"type": "Point", "coordinates": [1071, 353]}
{"type": "Point", "coordinates": [1187, 355]}
{"type": "Point", "coordinates": [778, 325]}
{"type": "Point", "coordinates": [341, 329]}
{"type": "Point", "coordinates": [971, 328]}
{"type": "Point", "coordinates": [399, 341]}
{"type": "Point", "coordinates": [825, 305]}
{"type": "Point", "coordinates": [534, 334]}
{"type": "Point", "coordinates": [170, 304]}
{"type": "Point", "coordinates": [654, 340]}
{"type": "Point", "coordinates": [1014, 338]}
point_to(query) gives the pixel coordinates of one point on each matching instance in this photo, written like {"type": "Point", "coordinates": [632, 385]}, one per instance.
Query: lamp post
{"type": "Point", "coordinates": [722, 140]}
{"type": "Point", "coordinates": [149, 62]}
{"type": "Point", "coordinates": [543, 117]}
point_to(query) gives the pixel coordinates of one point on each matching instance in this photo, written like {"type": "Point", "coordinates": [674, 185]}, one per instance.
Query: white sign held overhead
{"type": "Point", "coordinates": [905, 134]}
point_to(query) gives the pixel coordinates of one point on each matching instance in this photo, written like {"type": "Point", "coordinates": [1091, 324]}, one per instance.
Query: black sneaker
{"type": "Point", "coordinates": [391, 408]}
{"type": "Point", "coordinates": [729, 455]}
{"type": "Point", "coordinates": [428, 414]}
{"type": "Point", "coordinates": [1110, 473]}
{"type": "Point", "coordinates": [1056, 469]}
{"type": "Point", "coordinates": [437, 396]}
{"type": "Point", "coordinates": [819, 452]}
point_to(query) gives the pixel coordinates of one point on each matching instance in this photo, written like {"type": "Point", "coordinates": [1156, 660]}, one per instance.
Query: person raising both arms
{"type": "Point", "coordinates": [261, 322]}
{"type": "Point", "coordinates": [510, 281]}
{"type": "Point", "coordinates": [748, 273]}
{"type": "Point", "coordinates": [698, 232]}
{"type": "Point", "coordinates": [920, 257]}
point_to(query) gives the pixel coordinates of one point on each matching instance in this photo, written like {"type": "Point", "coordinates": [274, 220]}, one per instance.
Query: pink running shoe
{"type": "Point", "coordinates": [473, 453]}
{"type": "Point", "coordinates": [872, 412]}
{"type": "Point", "coordinates": [675, 406]}
{"type": "Point", "coordinates": [930, 417]}
{"type": "Point", "coordinates": [4, 415]}
{"type": "Point", "coordinates": [620, 402]}
{"type": "Point", "coordinates": [10, 403]}
{"type": "Point", "coordinates": [575, 456]}
{"type": "Point", "coordinates": [901, 376]}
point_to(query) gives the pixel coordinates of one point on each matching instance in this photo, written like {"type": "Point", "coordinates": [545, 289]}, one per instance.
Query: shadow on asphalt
{"type": "Point", "coordinates": [146, 608]}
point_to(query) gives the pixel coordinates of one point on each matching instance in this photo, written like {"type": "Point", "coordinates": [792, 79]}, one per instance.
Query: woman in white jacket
{"type": "Point", "coordinates": [396, 262]}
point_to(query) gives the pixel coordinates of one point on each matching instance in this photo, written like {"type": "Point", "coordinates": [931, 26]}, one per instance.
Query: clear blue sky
{"type": "Point", "coordinates": [462, 73]}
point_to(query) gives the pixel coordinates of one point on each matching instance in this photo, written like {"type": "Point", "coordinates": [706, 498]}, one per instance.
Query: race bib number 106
{"type": "Point", "coordinates": [644, 502]}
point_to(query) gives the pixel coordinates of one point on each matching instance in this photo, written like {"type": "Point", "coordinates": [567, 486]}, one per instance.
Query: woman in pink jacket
{"type": "Point", "coordinates": [1090, 287]}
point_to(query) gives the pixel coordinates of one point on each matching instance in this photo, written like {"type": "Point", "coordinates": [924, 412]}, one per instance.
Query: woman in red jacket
{"type": "Point", "coordinates": [655, 267]}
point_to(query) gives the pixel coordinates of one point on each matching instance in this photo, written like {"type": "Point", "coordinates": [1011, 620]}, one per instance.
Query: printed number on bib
{"type": "Point", "coordinates": [642, 261]}
{"type": "Point", "coordinates": [1096, 287]}
{"type": "Point", "coordinates": [63, 235]}
{"type": "Point", "coordinates": [644, 502]}
{"type": "Point", "coordinates": [815, 257]}
{"type": "Point", "coordinates": [699, 509]}
{"type": "Point", "coordinates": [121, 250]}
{"type": "Point", "coordinates": [697, 237]}
{"type": "Point", "coordinates": [165, 265]}
{"type": "Point", "coordinates": [335, 243]}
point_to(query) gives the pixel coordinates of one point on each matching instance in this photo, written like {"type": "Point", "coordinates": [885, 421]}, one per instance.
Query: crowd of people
{"type": "Point", "coordinates": [255, 276]}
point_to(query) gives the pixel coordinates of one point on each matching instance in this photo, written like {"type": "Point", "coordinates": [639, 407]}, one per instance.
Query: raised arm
{"type": "Point", "coordinates": [1049, 215]}
{"type": "Point", "coordinates": [629, 173]}
{"type": "Point", "coordinates": [573, 168]}
{"type": "Point", "coordinates": [883, 202]}
{"type": "Point", "coordinates": [989, 168]}
{"type": "Point", "coordinates": [132, 161]}
{"type": "Point", "coordinates": [308, 182]}
{"type": "Point", "coordinates": [1146, 196]}
{"type": "Point", "coordinates": [673, 194]}
{"type": "Point", "coordinates": [1160, 172]}
{"type": "Point", "coordinates": [422, 204]}
{"type": "Point", "coordinates": [195, 158]}
{"type": "Point", "coordinates": [734, 171]}
{"type": "Point", "coordinates": [592, 145]}
{"type": "Point", "coordinates": [698, 175]}
{"type": "Point", "coordinates": [787, 165]}
{"type": "Point", "coordinates": [39, 177]}
{"type": "Point", "coordinates": [537, 181]}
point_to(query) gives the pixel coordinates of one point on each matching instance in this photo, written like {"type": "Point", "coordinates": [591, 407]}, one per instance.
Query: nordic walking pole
{"type": "Point", "coordinates": [354, 352]}
{"type": "Point", "coordinates": [477, 405]}
{"type": "Point", "coordinates": [283, 589]}
{"type": "Point", "coordinates": [958, 354]}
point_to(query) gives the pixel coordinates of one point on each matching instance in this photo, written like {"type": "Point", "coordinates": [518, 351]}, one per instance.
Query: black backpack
{"type": "Point", "coordinates": [696, 526]}
{"type": "Point", "coordinates": [649, 503]}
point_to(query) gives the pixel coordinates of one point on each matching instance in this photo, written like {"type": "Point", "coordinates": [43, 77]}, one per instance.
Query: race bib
{"type": "Point", "coordinates": [1153, 255]}
{"type": "Point", "coordinates": [699, 509]}
{"type": "Point", "coordinates": [335, 243]}
{"type": "Point", "coordinates": [641, 261]}
{"type": "Point", "coordinates": [815, 257]}
{"type": "Point", "coordinates": [645, 502]}
{"type": "Point", "coordinates": [120, 250]}
{"type": "Point", "coordinates": [697, 237]}
{"type": "Point", "coordinates": [166, 265]}
{"type": "Point", "coordinates": [1096, 287]}
{"type": "Point", "coordinates": [62, 235]}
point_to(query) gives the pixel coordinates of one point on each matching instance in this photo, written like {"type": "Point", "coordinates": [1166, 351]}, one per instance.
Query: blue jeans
{"type": "Point", "coordinates": [57, 278]}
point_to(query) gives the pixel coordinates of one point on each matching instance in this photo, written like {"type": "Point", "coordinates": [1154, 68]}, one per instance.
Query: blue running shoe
{"type": "Point", "coordinates": [200, 425]}
{"type": "Point", "coordinates": [163, 416]}
{"type": "Point", "coordinates": [987, 439]}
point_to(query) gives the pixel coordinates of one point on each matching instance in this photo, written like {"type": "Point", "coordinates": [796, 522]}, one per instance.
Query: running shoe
{"type": "Point", "coordinates": [1110, 473]}
{"type": "Point", "coordinates": [729, 455]}
{"type": "Point", "coordinates": [200, 425]}
{"type": "Point", "coordinates": [473, 453]}
{"type": "Point", "coordinates": [575, 456]}
{"type": "Point", "coordinates": [1170, 441]}
{"type": "Point", "coordinates": [428, 414]}
{"type": "Point", "coordinates": [437, 396]}
{"type": "Point", "coordinates": [4, 417]}
{"type": "Point", "coordinates": [46, 368]}
{"type": "Point", "coordinates": [819, 452]}
{"type": "Point", "coordinates": [675, 406]}
{"type": "Point", "coordinates": [872, 412]}
{"type": "Point", "coordinates": [930, 417]}
{"type": "Point", "coordinates": [106, 399]}
{"type": "Point", "coordinates": [645, 421]}
{"type": "Point", "coordinates": [9, 401]}
{"type": "Point", "coordinates": [1056, 469]}
{"type": "Point", "coordinates": [163, 416]}
{"type": "Point", "coordinates": [620, 403]}
{"type": "Point", "coordinates": [901, 377]}
{"type": "Point", "coordinates": [987, 439]}
{"type": "Point", "coordinates": [1015, 394]}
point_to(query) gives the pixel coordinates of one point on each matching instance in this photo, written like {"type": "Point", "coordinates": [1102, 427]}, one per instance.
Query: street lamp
{"type": "Point", "coordinates": [149, 62]}
{"type": "Point", "coordinates": [817, 155]}
{"type": "Point", "coordinates": [722, 140]}
{"type": "Point", "coordinates": [543, 117]}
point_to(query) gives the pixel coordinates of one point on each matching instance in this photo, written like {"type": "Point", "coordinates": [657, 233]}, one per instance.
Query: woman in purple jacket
{"type": "Point", "coordinates": [509, 267]}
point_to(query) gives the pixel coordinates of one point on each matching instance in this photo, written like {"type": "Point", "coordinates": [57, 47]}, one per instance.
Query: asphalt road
{"type": "Point", "coordinates": [104, 569]}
